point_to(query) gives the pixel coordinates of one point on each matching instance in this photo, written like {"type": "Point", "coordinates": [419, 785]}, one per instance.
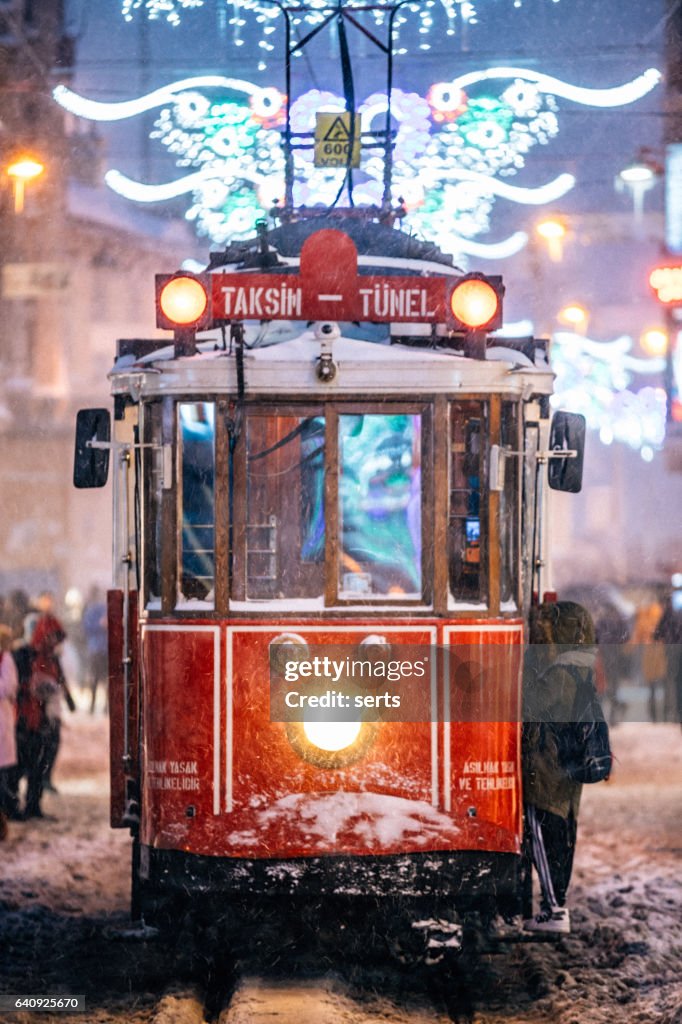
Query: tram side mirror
{"type": "Point", "coordinates": [567, 434]}
{"type": "Point", "coordinates": [91, 462]}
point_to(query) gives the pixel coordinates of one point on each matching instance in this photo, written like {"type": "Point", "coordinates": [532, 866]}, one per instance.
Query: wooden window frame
{"type": "Point", "coordinates": [436, 417]}
{"type": "Point", "coordinates": [375, 405]}
{"type": "Point", "coordinates": [399, 407]}
{"type": "Point", "coordinates": [236, 588]}
{"type": "Point", "coordinates": [148, 523]}
{"type": "Point", "coordinates": [490, 547]}
{"type": "Point", "coordinates": [178, 454]}
{"type": "Point", "coordinates": [517, 446]}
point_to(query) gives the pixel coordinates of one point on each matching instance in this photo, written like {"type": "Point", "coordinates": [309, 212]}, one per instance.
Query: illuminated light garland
{"type": "Point", "coordinates": [439, 16]}
{"type": "Point", "coordinates": [537, 196]}
{"type": "Point", "coordinates": [592, 378]}
{"type": "Point", "coordinates": [95, 110]}
{"type": "Point", "coordinates": [138, 192]}
{"type": "Point", "coordinates": [490, 250]}
{"type": "Point", "coordinates": [451, 149]}
{"type": "Point", "coordinates": [616, 96]}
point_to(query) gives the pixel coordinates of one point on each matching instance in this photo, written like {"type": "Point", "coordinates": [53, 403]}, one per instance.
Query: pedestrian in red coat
{"type": "Point", "coordinates": [49, 685]}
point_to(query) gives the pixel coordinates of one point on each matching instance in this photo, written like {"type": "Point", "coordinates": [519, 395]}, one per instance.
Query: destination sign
{"type": "Point", "coordinates": [284, 297]}
{"type": "Point", "coordinates": [329, 287]}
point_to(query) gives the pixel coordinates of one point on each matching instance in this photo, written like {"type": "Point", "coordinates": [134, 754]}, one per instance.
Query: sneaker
{"type": "Point", "coordinates": [553, 921]}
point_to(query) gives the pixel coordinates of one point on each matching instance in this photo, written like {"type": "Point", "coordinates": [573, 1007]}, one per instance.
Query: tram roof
{"type": "Point", "coordinates": [362, 368]}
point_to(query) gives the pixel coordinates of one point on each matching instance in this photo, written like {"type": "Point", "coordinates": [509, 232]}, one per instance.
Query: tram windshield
{"type": "Point", "coordinates": [329, 505]}
{"type": "Point", "coordinates": [467, 525]}
{"type": "Point", "coordinates": [285, 522]}
{"type": "Point", "coordinates": [380, 506]}
{"type": "Point", "coordinates": [196, 500]}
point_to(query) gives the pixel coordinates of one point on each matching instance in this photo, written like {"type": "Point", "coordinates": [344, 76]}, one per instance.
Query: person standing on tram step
{"type": "Point", "coordinates": [551, 798]}
{"type": "Point", "coordinates": [8, 717]}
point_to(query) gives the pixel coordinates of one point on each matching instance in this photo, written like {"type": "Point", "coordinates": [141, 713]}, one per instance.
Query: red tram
{"type": "Point", "coordinates": [352, 458]}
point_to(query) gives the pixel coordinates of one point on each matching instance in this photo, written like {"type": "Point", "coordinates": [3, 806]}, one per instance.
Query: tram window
{"type": "Point", "coordinates": [380, 506]}
{"type": "Point", "coordinates": [196, 499]}
{"type": "Point", "coordinates": [285, 528]}
{"type": "Point", "coordinates": [509, 509]}
{"type": "Point", "coordinates": [152, 476]}
{"type": "Point", "coordinates": [467, 534]}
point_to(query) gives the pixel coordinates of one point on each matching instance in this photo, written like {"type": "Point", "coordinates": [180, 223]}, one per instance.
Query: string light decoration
{"type": "Point", "coordinates": [453, 148]}
{"type": "Point", "coordinates": [423, 17]}
{"type": "Point", "coordinates": [594, 378]}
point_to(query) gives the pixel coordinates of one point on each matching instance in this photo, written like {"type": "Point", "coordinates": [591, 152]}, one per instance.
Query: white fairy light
{"type": "Point", "coordinates": [428, 16]}
{"type": "Point", "coordinates": [452, 148]}
{"type": "Point", "coordinates": [614, 97]}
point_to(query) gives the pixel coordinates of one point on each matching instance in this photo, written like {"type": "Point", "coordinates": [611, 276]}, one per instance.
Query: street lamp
{"type": "Point", "coordinates": [654, 341]}
{"type": "Point", "coordinates": [22, 170]}
{"type": "Point", "coordinates": [574, 315]}
{"type": "Point", "coordinates": [553, 231]}
{"type": "Point", "coordinates": [638, 177]}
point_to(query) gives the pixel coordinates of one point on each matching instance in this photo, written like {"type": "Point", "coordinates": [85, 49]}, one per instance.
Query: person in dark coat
{"type": "Point", "coordinates": [95, 629]}
{"type": "Point", "coordinates": [31, 726]}
{"type": "Point", "coordinates": [551, 798]}
{"type": "Point", "coordinates": [669, 632]}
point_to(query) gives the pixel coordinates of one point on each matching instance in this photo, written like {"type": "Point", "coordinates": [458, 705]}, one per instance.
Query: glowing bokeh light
{"type": "Point", "coordinates": [595, 378]}
{"type": "Point", "coordinates": [654, 341]}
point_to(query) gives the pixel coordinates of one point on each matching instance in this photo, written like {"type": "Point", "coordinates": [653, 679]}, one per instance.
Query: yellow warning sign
{"type": "Point", "coordinates": [332, 140]}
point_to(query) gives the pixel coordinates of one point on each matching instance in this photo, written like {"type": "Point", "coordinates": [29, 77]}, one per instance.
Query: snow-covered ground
{"type": "Point", "coordinates": [64, 898]}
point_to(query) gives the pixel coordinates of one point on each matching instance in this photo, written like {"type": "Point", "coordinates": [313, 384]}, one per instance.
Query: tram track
{"type": "Point", "coordinates": [260, 999]}
{"type": "Point", "coordinates": [305, 986]}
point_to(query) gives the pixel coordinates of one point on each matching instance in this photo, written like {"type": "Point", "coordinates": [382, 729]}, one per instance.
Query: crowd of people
{"type": "Point", "coordinates": [639, 644]}
{"type": "Point", "coordinates": [34, 690]}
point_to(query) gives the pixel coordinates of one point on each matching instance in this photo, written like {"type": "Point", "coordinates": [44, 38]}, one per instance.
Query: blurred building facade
{"type": "Point", "coordinates": [77, 272]}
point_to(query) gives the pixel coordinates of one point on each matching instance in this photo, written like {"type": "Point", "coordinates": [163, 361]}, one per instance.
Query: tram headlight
{"type": "Point", "coordinates": [475, 302]}
{"type": "Point", "coordinates": [332, 735]}
{"type": "Point", "coordinates": [287, 647]}
{"type": "Point", "coordinates": [331, 744]}
{"type": "Point", "coordinates": [182, 301]}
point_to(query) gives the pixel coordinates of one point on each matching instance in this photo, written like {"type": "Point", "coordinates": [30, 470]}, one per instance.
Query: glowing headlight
{"type": "Point", "coordinates": [331, 744]}
{"type": "Point", "coordinates": [332, 735]}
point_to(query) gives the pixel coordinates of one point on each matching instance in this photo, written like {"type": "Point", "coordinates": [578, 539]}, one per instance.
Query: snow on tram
{"type": "Point", "coordinates": [352, 459]}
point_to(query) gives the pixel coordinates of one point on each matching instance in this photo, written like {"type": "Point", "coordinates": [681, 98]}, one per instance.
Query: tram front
{"type": "Point", "coordinates": [300, 494]}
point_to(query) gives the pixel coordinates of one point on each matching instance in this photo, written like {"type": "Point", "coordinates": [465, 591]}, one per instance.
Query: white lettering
{"type": "Point", "coordinates": [228, 293]}
{"type": "Point", "coordinates": [241, 306]}
{"type": "Point", "coordinates": [294, 302]}
{"type": "Point", "coordinates": [381, 301]}
{"type": "Point", "coordinates": [495, 782]}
